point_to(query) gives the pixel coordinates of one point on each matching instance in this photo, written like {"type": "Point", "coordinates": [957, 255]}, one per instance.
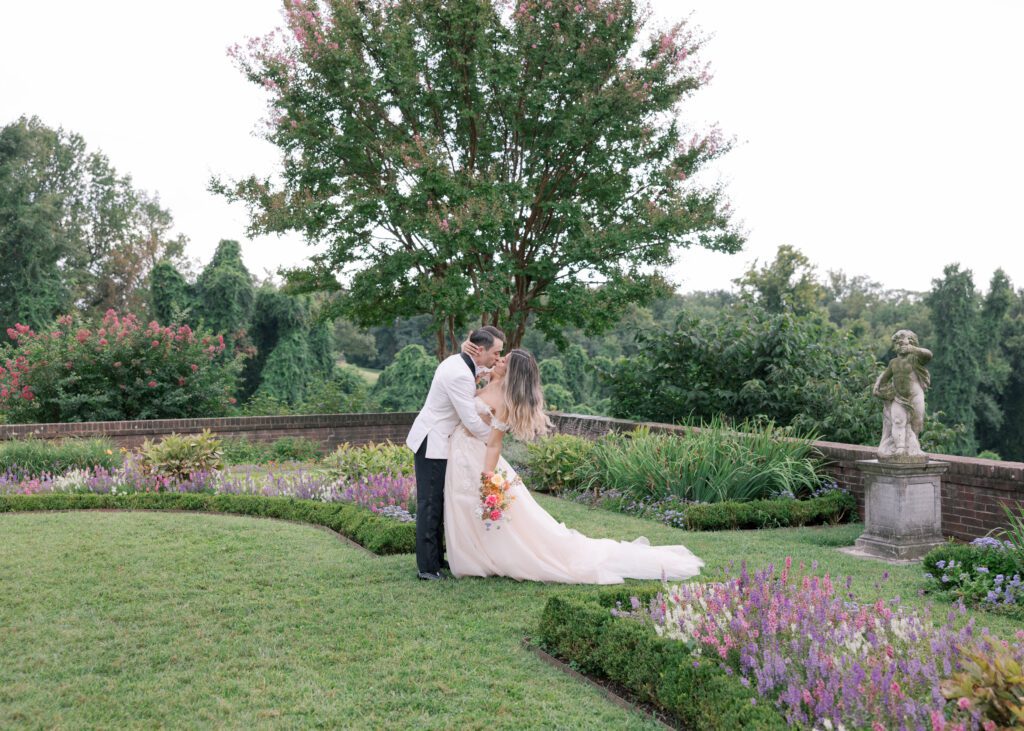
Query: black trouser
{"type": "Point", "coordinates": [429, 509]}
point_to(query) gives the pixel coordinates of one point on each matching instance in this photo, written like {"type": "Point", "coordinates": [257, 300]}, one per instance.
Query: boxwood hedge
{"type": "Point", "coordinates": [657, 670]}
{"type": "Point", "coordinates": [377, 533]}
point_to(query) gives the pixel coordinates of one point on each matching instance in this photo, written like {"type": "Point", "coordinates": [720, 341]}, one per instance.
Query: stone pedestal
{"type": "Point", "coordinates": [902, 509]}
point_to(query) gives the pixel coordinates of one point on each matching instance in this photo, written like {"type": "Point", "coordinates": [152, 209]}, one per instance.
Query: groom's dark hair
{"type": "Point", "coordinates": [485, 336]}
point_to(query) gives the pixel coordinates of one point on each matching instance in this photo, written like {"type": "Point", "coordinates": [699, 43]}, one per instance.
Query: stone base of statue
{"type": "Point", "coordinates": [902, 508]}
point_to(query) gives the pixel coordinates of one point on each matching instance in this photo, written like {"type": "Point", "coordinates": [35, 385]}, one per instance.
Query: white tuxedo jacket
{"type": "Point", "coordinates": [449, 403]}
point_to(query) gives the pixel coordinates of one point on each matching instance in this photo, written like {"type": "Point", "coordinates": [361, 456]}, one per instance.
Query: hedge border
{"type": "Point", "coordinates": [833, 508]}
{"type": "Point", "coordinates": [838, 506]}
{"type": "Point", "coordinates": [615, 694]}
{"type": "Point", "coordinates": [656, 669]}
{"type": "Point", "coordinates": [378, 534]}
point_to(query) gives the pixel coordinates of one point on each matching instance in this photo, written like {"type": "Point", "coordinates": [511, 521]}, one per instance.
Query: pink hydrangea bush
{"type": "Point", "coordinates": [116, 369]}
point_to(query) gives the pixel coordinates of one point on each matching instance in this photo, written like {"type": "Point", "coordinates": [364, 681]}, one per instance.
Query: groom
{"type": "Point", "coordinates": [449, 403]}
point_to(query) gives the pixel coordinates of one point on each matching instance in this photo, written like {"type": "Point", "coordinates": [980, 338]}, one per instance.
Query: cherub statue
{"type": "Point", "coordinates": [902, 385]}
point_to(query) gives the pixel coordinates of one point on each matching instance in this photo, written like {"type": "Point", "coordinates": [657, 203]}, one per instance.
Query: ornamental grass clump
{"type": "Point", "coordinates": [710, 464]}
{"type": "Point", "coordinates": [826, 661]}
{"type": "Point", "coordinates": [36, 456]}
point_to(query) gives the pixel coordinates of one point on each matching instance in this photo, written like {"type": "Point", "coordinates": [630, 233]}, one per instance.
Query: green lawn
{"type": "Point", "coordinates": [143, 619]}
{"type": "Point", "coordinates": [370, 374]}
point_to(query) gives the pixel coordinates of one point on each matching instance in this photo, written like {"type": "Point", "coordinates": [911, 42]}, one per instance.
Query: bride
{"type": "Point", "coordinates": [528, 544]}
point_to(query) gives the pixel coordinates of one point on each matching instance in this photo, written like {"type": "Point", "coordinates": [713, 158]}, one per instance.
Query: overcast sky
{"type": "Point", "coordinates": [880, 138]}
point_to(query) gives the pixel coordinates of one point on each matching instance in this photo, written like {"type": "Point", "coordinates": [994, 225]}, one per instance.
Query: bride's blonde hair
{"type": "Point", "coordinates": [524, 399]}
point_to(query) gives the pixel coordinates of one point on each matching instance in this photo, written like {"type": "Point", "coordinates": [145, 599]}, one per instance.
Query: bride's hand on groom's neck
{"type": "Point", "coordinates": [473, 351]}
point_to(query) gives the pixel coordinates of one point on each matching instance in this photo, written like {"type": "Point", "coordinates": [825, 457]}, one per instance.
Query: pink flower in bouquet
{"type": "Point", "coordinates": [492, 500]}
{"type": "Point", "coordinates": [495, 515]}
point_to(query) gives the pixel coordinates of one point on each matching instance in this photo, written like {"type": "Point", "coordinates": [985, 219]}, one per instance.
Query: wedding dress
{"type": "Point", "coordinates": [529, 544]}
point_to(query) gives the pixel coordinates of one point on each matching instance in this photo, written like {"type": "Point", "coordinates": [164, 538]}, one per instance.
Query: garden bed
{"type": "Point", "coordinates": [787, 648]}
{"type": "Point", "coordinates": [657, 670]}
{"type": "Point", "coordinates": [713, 479]}
{"type": "Point", "coordinates": [831, 508]}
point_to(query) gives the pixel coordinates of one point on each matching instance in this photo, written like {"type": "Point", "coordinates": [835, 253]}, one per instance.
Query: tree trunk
{"type": "Point", "coordinates": [516, 336]}
{"type": "Point", "coordinates": [440, 353]}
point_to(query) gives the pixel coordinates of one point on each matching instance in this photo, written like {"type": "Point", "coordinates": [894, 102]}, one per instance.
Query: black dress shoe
{"type": "Point", "coordinates": [429, 576]}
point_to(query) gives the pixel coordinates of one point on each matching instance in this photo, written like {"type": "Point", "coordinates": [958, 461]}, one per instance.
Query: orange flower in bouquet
{"type": "Point", "coordinates": [495, 499]}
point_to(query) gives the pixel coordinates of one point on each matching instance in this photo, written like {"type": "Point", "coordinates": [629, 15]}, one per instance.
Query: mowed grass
{"type": "Point", "coordinates": [147, 619]}
{"type": "Point", "coordinates": [370, 374]}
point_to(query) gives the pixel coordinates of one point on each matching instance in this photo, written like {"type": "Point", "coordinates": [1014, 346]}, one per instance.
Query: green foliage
{"type": "Point", "coordinates": [577, 372]}
{"type": "Point", "coordinates": [321, 354]}
{"type": "Point", "coordinates": [36, 456]}
{"type": "Point", "coordinates": [967, 558]}
{"type": "Point", "coordinates": [293, 353]}
{"type": "Point", "coordinates": [275, 314]}
{"type": "Point", "coordinates": [712, 464]}
{"type": "Point", "coordinates": [557, 462]}
{"type": "Point", "coordinates": [699, 695]}
{"type": "Point", "coordinates": [994, 361]}
{"type": "Point", "coordinates": [225, 291]}
{"type": "Point", "coordinates": [391, 338]}
{"type": "Point", "coordinates": [115, 369]}
{"type": "Point", "coordinates": [514, 159]}
{"type": "Point", "coordinates": [288, 369]}
{"type": "Point", "coordinates": [956, 367]}
{"type": "Point", "coordinates": [32, 288]}
{"type": "Point", "coordinates": [356, 346]}
{"type": "Point", "coordinates": [1003, 374]}
{"type": "Point", "coordinates": [752, 364]}
{"type": "Point", "coordinates": [404, 384]}
{"type": "Point", "coordinates": [179, 455]}
{"type": "Point", "coordinates": [937, 437]}
{"type": "Point", "coordinates": [993, 683]}
{"type": "Point", "coordinates": [377, 533]}
{"type": "Point", "coordinates": [553, 373]}
{"type": "Point", "coordinates": [72, 230]}
{"type": "Point", "coordinates": [574, 382]}
{"type": "Point", "coordinates": [788, 283]}
{"type": "Point", "coordinates": [294, 449]}
{"type": "Point", "coordinates": [263, 404]}
{"type": "Point", "coordinates": [989, 454]}
{"type": "Point", "coordinates": [836, 506]}
{"type": "Point", "coordinates": [1013, 534]}
{"type": "Point", "coordinates": [345, 392]}
{"type": "Point", "coordinates": [351, 463]}
{"type": "Point", "coordinates": [558, 398]}
{"type": "Point", "coordinates": [239, 450]}
{"type": "Point", "coordinates": [171, 297]}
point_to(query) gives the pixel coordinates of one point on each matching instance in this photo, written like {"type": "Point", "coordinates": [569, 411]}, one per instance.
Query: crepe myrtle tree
{"type": "Point", "coordinates": [482, 160]}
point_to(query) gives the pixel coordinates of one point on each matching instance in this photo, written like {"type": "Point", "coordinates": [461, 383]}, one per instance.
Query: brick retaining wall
{"type": "Point", "coordinates": [328, 429]}
{"type": "Point", "coordinates": [973, 490]}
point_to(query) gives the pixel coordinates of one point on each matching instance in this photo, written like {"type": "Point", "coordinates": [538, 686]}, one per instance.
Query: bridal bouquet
{"type": "Point", "coordinates": [494, 496]}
